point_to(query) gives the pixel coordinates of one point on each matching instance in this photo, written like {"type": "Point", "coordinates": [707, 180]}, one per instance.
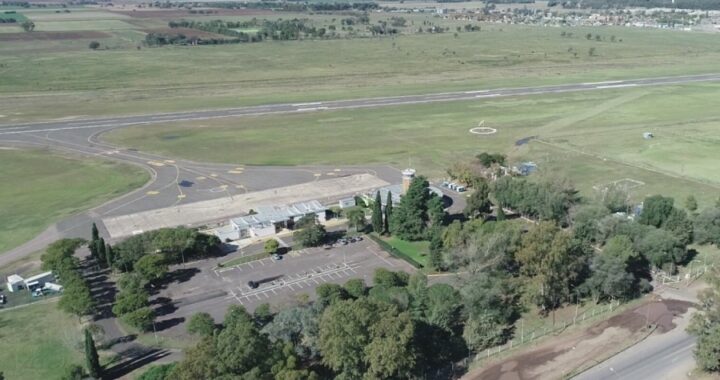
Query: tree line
{"type": "Point", "coordinates": [613, 4]}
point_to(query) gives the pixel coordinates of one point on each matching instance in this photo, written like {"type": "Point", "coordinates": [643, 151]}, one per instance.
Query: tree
{"type": "Point", "coordinates": [478, 204]}
{"type": "Point", "coordinates": [444, 307]}
{"type": "Point", "coordinates": [76, 297]}
{"type": "Point", "coordinates": [129, 301]}
{"type": "Point", "coordinates": [311, 235]}
{"type": "Point", "coordinates": [656, 209]}
{"type": "Point", "coordinates": [141, 319]}
{"type": "Point", "coordinates": [298, 326]}
{"type": "Point", "coordinates": [330, 293]}
{"type": "Point", "coordinates": [95, 232]}
{"type": "Point", "coordinates": [436, 211]}
{"type": "Point", "coordinates": [109, 255]}
{"type": "Point", "coordinates": [377, 217]}
{"type": "Point", "coordinates": [58, 253]}
{"type": "Point", "coordinates": [707, 226]}
{"type": "Point", "coordinates": [436, 247]}
{"type": "Point", "coordinates": [661, 247]}
{"type": "Point", "coordinates": [500, 214]}
{"type": "Point", "coordinates": [385, 278]}
{"type": "Point", "coordinates": [356, 218]}
{"type": "Point", "coordinates": [609, 278]}
{"type": "Point", "coordinates": [200, 362]}
{"type": "Point", "coordinates": [491, 306]}
{"type": "Point", "coordinates": [201, 324]}
{"type": "Point", "coordinates": [691, 203]}
{"type": "Point", "coordinates": [705, 325]}
{"type": "Point", "coordinates": [271, 246]}
{"type": "Point", "coordinates": [388, 213]}
{"type": "Point", "coordinates": [152, 267]}
{"type": "Point", "coordinates": [355, 288]}
{"type": "Point", "coordinates": [365, 337]}
{"type": "Point", "coordinates": [548, 259]}
{"type": "Point", "coordinates": [253, 355]}
{"type": "Point", "coordinates": [591, 52]}
{"type": "Point", "coordinates": [262, 315]}
{"type": "Point", "coordinates": [158, 372]}
{"type": "Point", "coordinates": [409, 219]}
{"type": "Point", "coordinates": [28, 26]}
{"type": "Point", "coordinates": [94, 45]}
{"type": "Point", "coordinates": [91, 356]}
{"type": "Point", "coordinates": [100, 251]}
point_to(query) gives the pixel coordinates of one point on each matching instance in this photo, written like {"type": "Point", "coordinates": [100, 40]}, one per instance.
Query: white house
{"type": "Point", "coordinates": [15, 283]}
{"type": "Point", "coordinates": [42, 281]}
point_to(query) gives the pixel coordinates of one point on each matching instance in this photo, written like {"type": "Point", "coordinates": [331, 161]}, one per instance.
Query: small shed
{"type": "Point", "coordinates": [347, 202]}
{"type": "Point", "coordinates": [15, 283]}
{"type": "Point", "coordinates": [648, 135]}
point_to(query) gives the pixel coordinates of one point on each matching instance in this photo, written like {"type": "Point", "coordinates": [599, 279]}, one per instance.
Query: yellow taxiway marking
{"type": "Point", "coordinates": [337, 170]}
{"type": "Point", "coordinates": [331, 173]}
{"type": "Point", "coordinates": [318, 174]}
{"type": "Point", "coordinates": [170, 161]}
{"type": "Point", "coordinates": [235, 172]}
{"type": "Point", "coordinates": [239, 168]}
{"type": "Point", "coordinates": [240, 186]}
{"type": "Point", "coordinates": [155, 163]}
{"type": "Point", "coordinates": [224, 187]}
{"type": "Point", "coordinates": [181, 196]}
{"type": "Point", "coordinates": [213, 175]}
{"type": "Point", "coordinates": [152, 192]}
{"type": "Point", "coordinates": [200, 178]}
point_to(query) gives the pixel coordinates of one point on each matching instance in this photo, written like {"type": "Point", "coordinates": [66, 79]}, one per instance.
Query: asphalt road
{"type": "Point", "coordinates": [117, 122]}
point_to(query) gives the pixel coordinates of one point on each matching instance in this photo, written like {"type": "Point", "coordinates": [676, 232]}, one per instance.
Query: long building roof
{"type": "Point", "coordinates": [273, 214]}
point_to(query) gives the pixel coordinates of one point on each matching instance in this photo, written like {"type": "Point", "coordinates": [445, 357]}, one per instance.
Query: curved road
{"type": "Point", "coordinates": [175, 181]}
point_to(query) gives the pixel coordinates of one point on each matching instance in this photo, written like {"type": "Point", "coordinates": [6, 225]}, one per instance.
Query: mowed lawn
{"type": "Point", "coordinates": [39, 188]}
{"type": "Point", "coordinates": [38, 342]}
{"type": "Point", "coordinates": [125, 80]}
{"type": "Point", "coordinates": [590, 137]}
{"type": "Point", "coordinates": [417, 250]}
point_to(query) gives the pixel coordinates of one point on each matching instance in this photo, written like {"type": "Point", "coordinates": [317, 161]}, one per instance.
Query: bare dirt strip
{"type": "Point", "coordinates": [179, 13]}
{"type": "Point", "coordinates": [559, 356]}
{"type": "Point", "coordinates": [35, 36]}
{"type": "Point", "coordinates": [187, 32]}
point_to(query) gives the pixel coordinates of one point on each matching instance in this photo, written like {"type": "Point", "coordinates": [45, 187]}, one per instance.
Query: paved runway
{"type": "Point", "coordinates": [180, 181]}
{"type": "Point", "coordinates": [123, 121]}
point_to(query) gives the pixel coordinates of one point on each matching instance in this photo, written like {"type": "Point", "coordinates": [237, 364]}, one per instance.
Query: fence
{"type": "Point", "coordinates": [526, 337]}
{"type": "Point", "coordinates": [394, 252]}
{"type": "Point", "coordinates": [689, 273]}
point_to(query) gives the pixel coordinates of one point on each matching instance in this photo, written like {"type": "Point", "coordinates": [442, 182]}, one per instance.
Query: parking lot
{"type": "Point", "coordinates": [279, 282]}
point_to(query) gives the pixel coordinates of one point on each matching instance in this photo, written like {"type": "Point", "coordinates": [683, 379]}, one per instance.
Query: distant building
{"type": "Point", "coordinates": [396, 191]}
{"type": "Point", "coordinates": [15, 283]}
{"type": "Point", "coordinates": [648, 135]}
{"type": "Point", "coordinates": [269, 220]}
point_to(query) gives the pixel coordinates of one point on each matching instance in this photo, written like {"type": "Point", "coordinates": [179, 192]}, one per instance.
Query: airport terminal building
{"type": "Point", "coordinates": [268, 220]}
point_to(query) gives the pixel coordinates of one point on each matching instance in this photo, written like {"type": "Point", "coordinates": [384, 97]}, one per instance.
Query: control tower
{"type": "Point", "coordinates": [407, 177]}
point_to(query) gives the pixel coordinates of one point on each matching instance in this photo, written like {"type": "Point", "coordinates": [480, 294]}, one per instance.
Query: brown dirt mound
{"type": "Point", "coordinates": [556, 356]}
{"type": "Point", "coordinates": [33, 36]}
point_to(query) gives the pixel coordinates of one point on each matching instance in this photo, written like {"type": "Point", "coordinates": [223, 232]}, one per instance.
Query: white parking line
{"type": "Point", "coordinates": [251, 266]}
{"type": "Point", "coordinates": [317, 283]}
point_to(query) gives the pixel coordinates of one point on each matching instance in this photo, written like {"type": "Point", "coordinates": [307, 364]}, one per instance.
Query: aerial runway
{"type": "Point", "coordinates": [270, 109]}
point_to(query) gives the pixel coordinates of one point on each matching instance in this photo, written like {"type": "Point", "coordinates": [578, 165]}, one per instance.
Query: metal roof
{"type": "Point", "coordinates": [272, 214]}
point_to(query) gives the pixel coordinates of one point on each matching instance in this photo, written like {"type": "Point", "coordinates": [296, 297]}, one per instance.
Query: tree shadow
{"type": "Point", "coordinates": [135, 357]}
{"type": "Point", "coordinates": [168, 323]}
{"type": "Point", "coordinates": [165, 306]}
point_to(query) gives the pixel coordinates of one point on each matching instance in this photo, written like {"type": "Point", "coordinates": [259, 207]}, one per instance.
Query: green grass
{"type": "Point", "coordinates": [40, 188]}
{"type": "Point", "coordinates": [244, 259]}
{"type": "Point", "coordinates": [19, 17]}
{"type": "Point", "coordinates": [592, 138]}
{"type": "Point", "coordinates": [417, 250]}
{"type": "Point", "coordinates": [38, 342]}
{"type": "Point", "coordinates": [127, 80]}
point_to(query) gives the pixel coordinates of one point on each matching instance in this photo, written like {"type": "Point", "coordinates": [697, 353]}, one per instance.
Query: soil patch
{"type": "Point", "coordinates": [177, 13]}
{"type": "Point", "coordinates": [558, 356]}
{"type": "Point", "coordinates": [34, 36]}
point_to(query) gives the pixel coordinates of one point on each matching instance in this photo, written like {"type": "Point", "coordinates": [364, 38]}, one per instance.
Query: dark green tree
{"type": "Point", "coordinates": [92, 360]}
{"type": "Point", "coordinates": [355, 288]}
{"type": "Point", "coordinates": [705, 325]}
{"type": "Point", "coordinates": [109, 255]}
{"type": "Point", "coordinates": [410, 218]}
{"type": "Point", "coordinates": [72, 372]}
{"type": "Point", "coordinates": [100, 250]}
{"type": "Point", "coordinates": [152, 267]}
{"type": "Point", "coordinates": [201, 324]}
{"type": "Point", "coordinates": [478, 204]}
{"type": "Point", "coordinates": [356, 218]}
{"type": "Point", "coordinates": [388, 213]}
{"type": "Point", "coordinates": [377, 217]}
{"type": "Point", "coordinates": [158, 372]}
{"type": "Point", "coordinates": [262, 315]}
{"type": "Point", "coordinates": [707, 226]}
{"type": "Point", "coordinates": [436, 250]}
{"type": "Point", "coordinates": [656, 209]}
{"type": "Point", "coordinates": [95, 233]}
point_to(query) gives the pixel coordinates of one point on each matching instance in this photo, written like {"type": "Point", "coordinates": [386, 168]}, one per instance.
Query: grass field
{"type": "Point", "coordinates": [592, 138]}
{"type": "Point", "coordinates": [38, 342]}
{"type": "Point", "coordinates": [17, 16]}
{"type": "Point", "coordinates": [126, 80]}
{"type": "Point", "coordinates": [417, 250]}
{"type": "Point", "coordinates": [40, 188]}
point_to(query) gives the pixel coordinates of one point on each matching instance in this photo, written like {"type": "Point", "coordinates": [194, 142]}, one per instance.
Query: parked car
{"type": "Point", "coordinates": [3, 299]}
{"type": "Point", "coordinates": [253, 284]}
{"type": "Point", "coordinates": [276, 257]}
{"type": "Point", "coordinates": [327, 246]}
{"type": "Point", "coordinates": [342, 242]}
